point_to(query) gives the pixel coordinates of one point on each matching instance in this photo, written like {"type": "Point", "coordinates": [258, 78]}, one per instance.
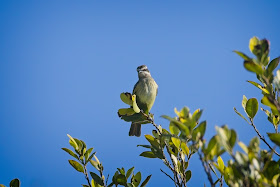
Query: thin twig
{"type": "Point", "coordinates": [176, 178]}
{"type": "Point", "coordinates": [86, 174]}
{"type": "Point", "coordinates": [206, 169]}
{"type": "Point", "coordinates": [262, 138]}
{"type": "Point", "coordinates": [167, 175]}
{"type": "Point", "coordinates": [221, 181]}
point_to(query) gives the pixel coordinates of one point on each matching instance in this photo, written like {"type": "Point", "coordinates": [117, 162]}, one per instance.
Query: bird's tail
{"type": "Point", "coordinates": [135, 129]}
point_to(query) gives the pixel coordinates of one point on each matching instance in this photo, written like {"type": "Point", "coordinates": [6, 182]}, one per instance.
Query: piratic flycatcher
{"type": "Point", "coordinates": [146, 91]}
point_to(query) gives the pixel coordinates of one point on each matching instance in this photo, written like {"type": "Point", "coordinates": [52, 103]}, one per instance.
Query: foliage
{"type": "Point", "coordinates": [175, 146]}
{"type": "Point", "coordinates": [83, 156]}
{"type": "Point", "coordinates": [13, 183]}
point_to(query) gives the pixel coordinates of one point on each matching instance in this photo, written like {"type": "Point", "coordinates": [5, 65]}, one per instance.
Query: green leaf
{"type": "Point", "coordinates": [136, 179]}
{"type": "Point", "coordinates": [79, 143]}
{"type": "Point", "coordinates": [173, 129]}
{"type": "Point", "coordinates": [242, 55]}
{"type": "Point", "coordinates": [96, 178]}
{"type": "Point", "coordinates": [176, 142]}
{"type": "Point", "coordinates": [240, 115]}
{"type": "Point", "coordinates": [266, 102]}
{"type": "Point", "coordinates": [272, 65]}
{"type": "Point", "coordinates": [244, 101]}
{"type": "Point", "coordinates": [178, 124]}
{"type": "Point", "coordinates": [211, 144]}
{"type": "Point", "coordinates": [90, 157]}
{"type": "Point", "coordinates": [152, 140]}
{"type": "Point", "coordinates": [145, 182]}
{"type": "Point", "coordinates": [253, 67]}
{"type": "Point", "coordinates": [76, 165]}
{"type": "Point", "coordinates": [15, 183]}
{"type": "Point", "coordinates": [252, 107]}
{"type": "Point", "coordinates": [199, 129]}
{"type": "Point", "coordinates": [253, 43]}
{"type": "Point", "coordinates": [125, 111]}
{"type": "Point", "coordinates": [188, 175]}
{"type": "Point", "coordinates": [259, 86]}
{"type": "Point", "coordinates": [220, 163]}
{"type": "Point", "coordinates": [146, 146]}
{"type": "Point", "coordinates": [148, 154]}
{"type": "Point", "coordinates": [134, 104]}
{"type": "Point", "coordinates": [274, 137]}
{"type": "Point", "coordinates": [233, 137]}
{"type": "Point", "coordinates": [128, 173]}
{"type": "Point", "coordinates": [185, 148]}
{"type": "Point", "coordinates": [121, 179]}
{"type": "Point", "coordinates": [70, 153]}
{"type": "Point", "coordinates": [126, 98]}
{"type": "Point", "coordinates": [73, 143]}
{"type": "Point", "coordinates": [95, 164]}
{"type": "Point", "coordinates": [243, 146]}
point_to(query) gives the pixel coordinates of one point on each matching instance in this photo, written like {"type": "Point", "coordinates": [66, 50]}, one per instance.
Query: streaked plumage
{"type": "Point", "coordinates": [146, 91]}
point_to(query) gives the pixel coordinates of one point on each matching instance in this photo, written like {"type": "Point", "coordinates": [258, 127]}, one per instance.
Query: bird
{"type": "Point", "coordinates": [146, 90]}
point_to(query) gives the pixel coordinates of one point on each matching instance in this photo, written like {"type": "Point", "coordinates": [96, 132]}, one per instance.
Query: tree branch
{"type": "Point", "coordinates": [86, 174]}
{"type": "Point", "coordinates": [262, 137]}
{"type": "Point", "coordinates": [206, 169]}
{"type": "Point", "coordinates": [176, 178]}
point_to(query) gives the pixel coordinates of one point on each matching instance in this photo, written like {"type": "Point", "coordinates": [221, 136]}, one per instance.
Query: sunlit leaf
{"type": "Point", "coordinates": [220, 163]}
{"type": "Point", "coordinates": [252, 107]}
{"type": "Point", "coordinates": [253, 42]}
{"type": "Point", "coordinates": [266, 102]}
{"type": "Point", "coordinates": [272, 65]}
{"type": "Point", "coordinates": [76, 165]}
{"type": "Point", "coordinates": [259, 86]}
{"type": "Point", "coordinates": [126, 98]}
{"type": "Point", "coordinates": [70, 153]}
{"type": "Point", "coordinates": [126, 111]}
{"type": "Point", "coordinates": [173, 129]}
{"type": "Point", "coordinates": [129, 172]}
{"type": "Point", "coordinates": [178, 124]}
{"type": "Point", "coordinates": [73, 143]}
{"type": "Point", "coordinates": [274, 137]}
{"type": "Point", "coordinates": [185, 148]}
{"type": "Point", "coordinates": [148, 154]}
{"type": "Point", "coordinates": [253, 67]}
{"type": "Point", "coordinates": [235, 110]}
{"type": "Point", "coordinates": [243, 146]}
{"type": "Point", "coordinates": [242, 55]}
{"type": "Point", "coordinates": [134, 104]}
{"type": "Point", "coordinates": [145, 182]}
{"type": "Point", "coordinates": [176, 142]}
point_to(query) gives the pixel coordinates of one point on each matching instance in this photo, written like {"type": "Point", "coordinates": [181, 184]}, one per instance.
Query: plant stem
{"type": "Point", "coordinates": [206, 169]}
{"type": "Point", "coordinates": [86, 174]}
{"type": "Point", "coordinates": [176, 178]}
{"type": "Point", "coordinates": [262, 138]}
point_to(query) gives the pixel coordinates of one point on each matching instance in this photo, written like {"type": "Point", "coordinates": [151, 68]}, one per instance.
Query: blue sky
{"type": "Point", "coordinates": [63, 65]}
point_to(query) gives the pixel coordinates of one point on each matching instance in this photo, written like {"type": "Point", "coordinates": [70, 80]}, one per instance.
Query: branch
{"type": "Point", "coordinates": [206, 169]}
{"type": "Point", "coordinates": [176, 178]}
{"type": "Point", "coordinates": [86, 174]}
{"type": "Point", "coordinates": [167, 175]}
{"type": "Point", "coordinates": [262, 138]}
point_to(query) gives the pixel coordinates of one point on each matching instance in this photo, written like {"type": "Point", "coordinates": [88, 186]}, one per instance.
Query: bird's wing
{"type": "Point", "coordinates": [133, 92]}
{"type": "Point", "coordinates": [157, 91]}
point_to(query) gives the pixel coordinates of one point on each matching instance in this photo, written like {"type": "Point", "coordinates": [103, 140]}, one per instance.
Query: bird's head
{"type": "Point", "coordinates": [143, 71]}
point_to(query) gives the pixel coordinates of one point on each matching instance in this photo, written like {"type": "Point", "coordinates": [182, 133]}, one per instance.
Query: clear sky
{"type": "Point", "coordinates": [63, 65]}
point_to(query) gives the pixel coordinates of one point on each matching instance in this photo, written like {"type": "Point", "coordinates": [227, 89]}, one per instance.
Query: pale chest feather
{"type": "Point", "coordinates": [146, 91]}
